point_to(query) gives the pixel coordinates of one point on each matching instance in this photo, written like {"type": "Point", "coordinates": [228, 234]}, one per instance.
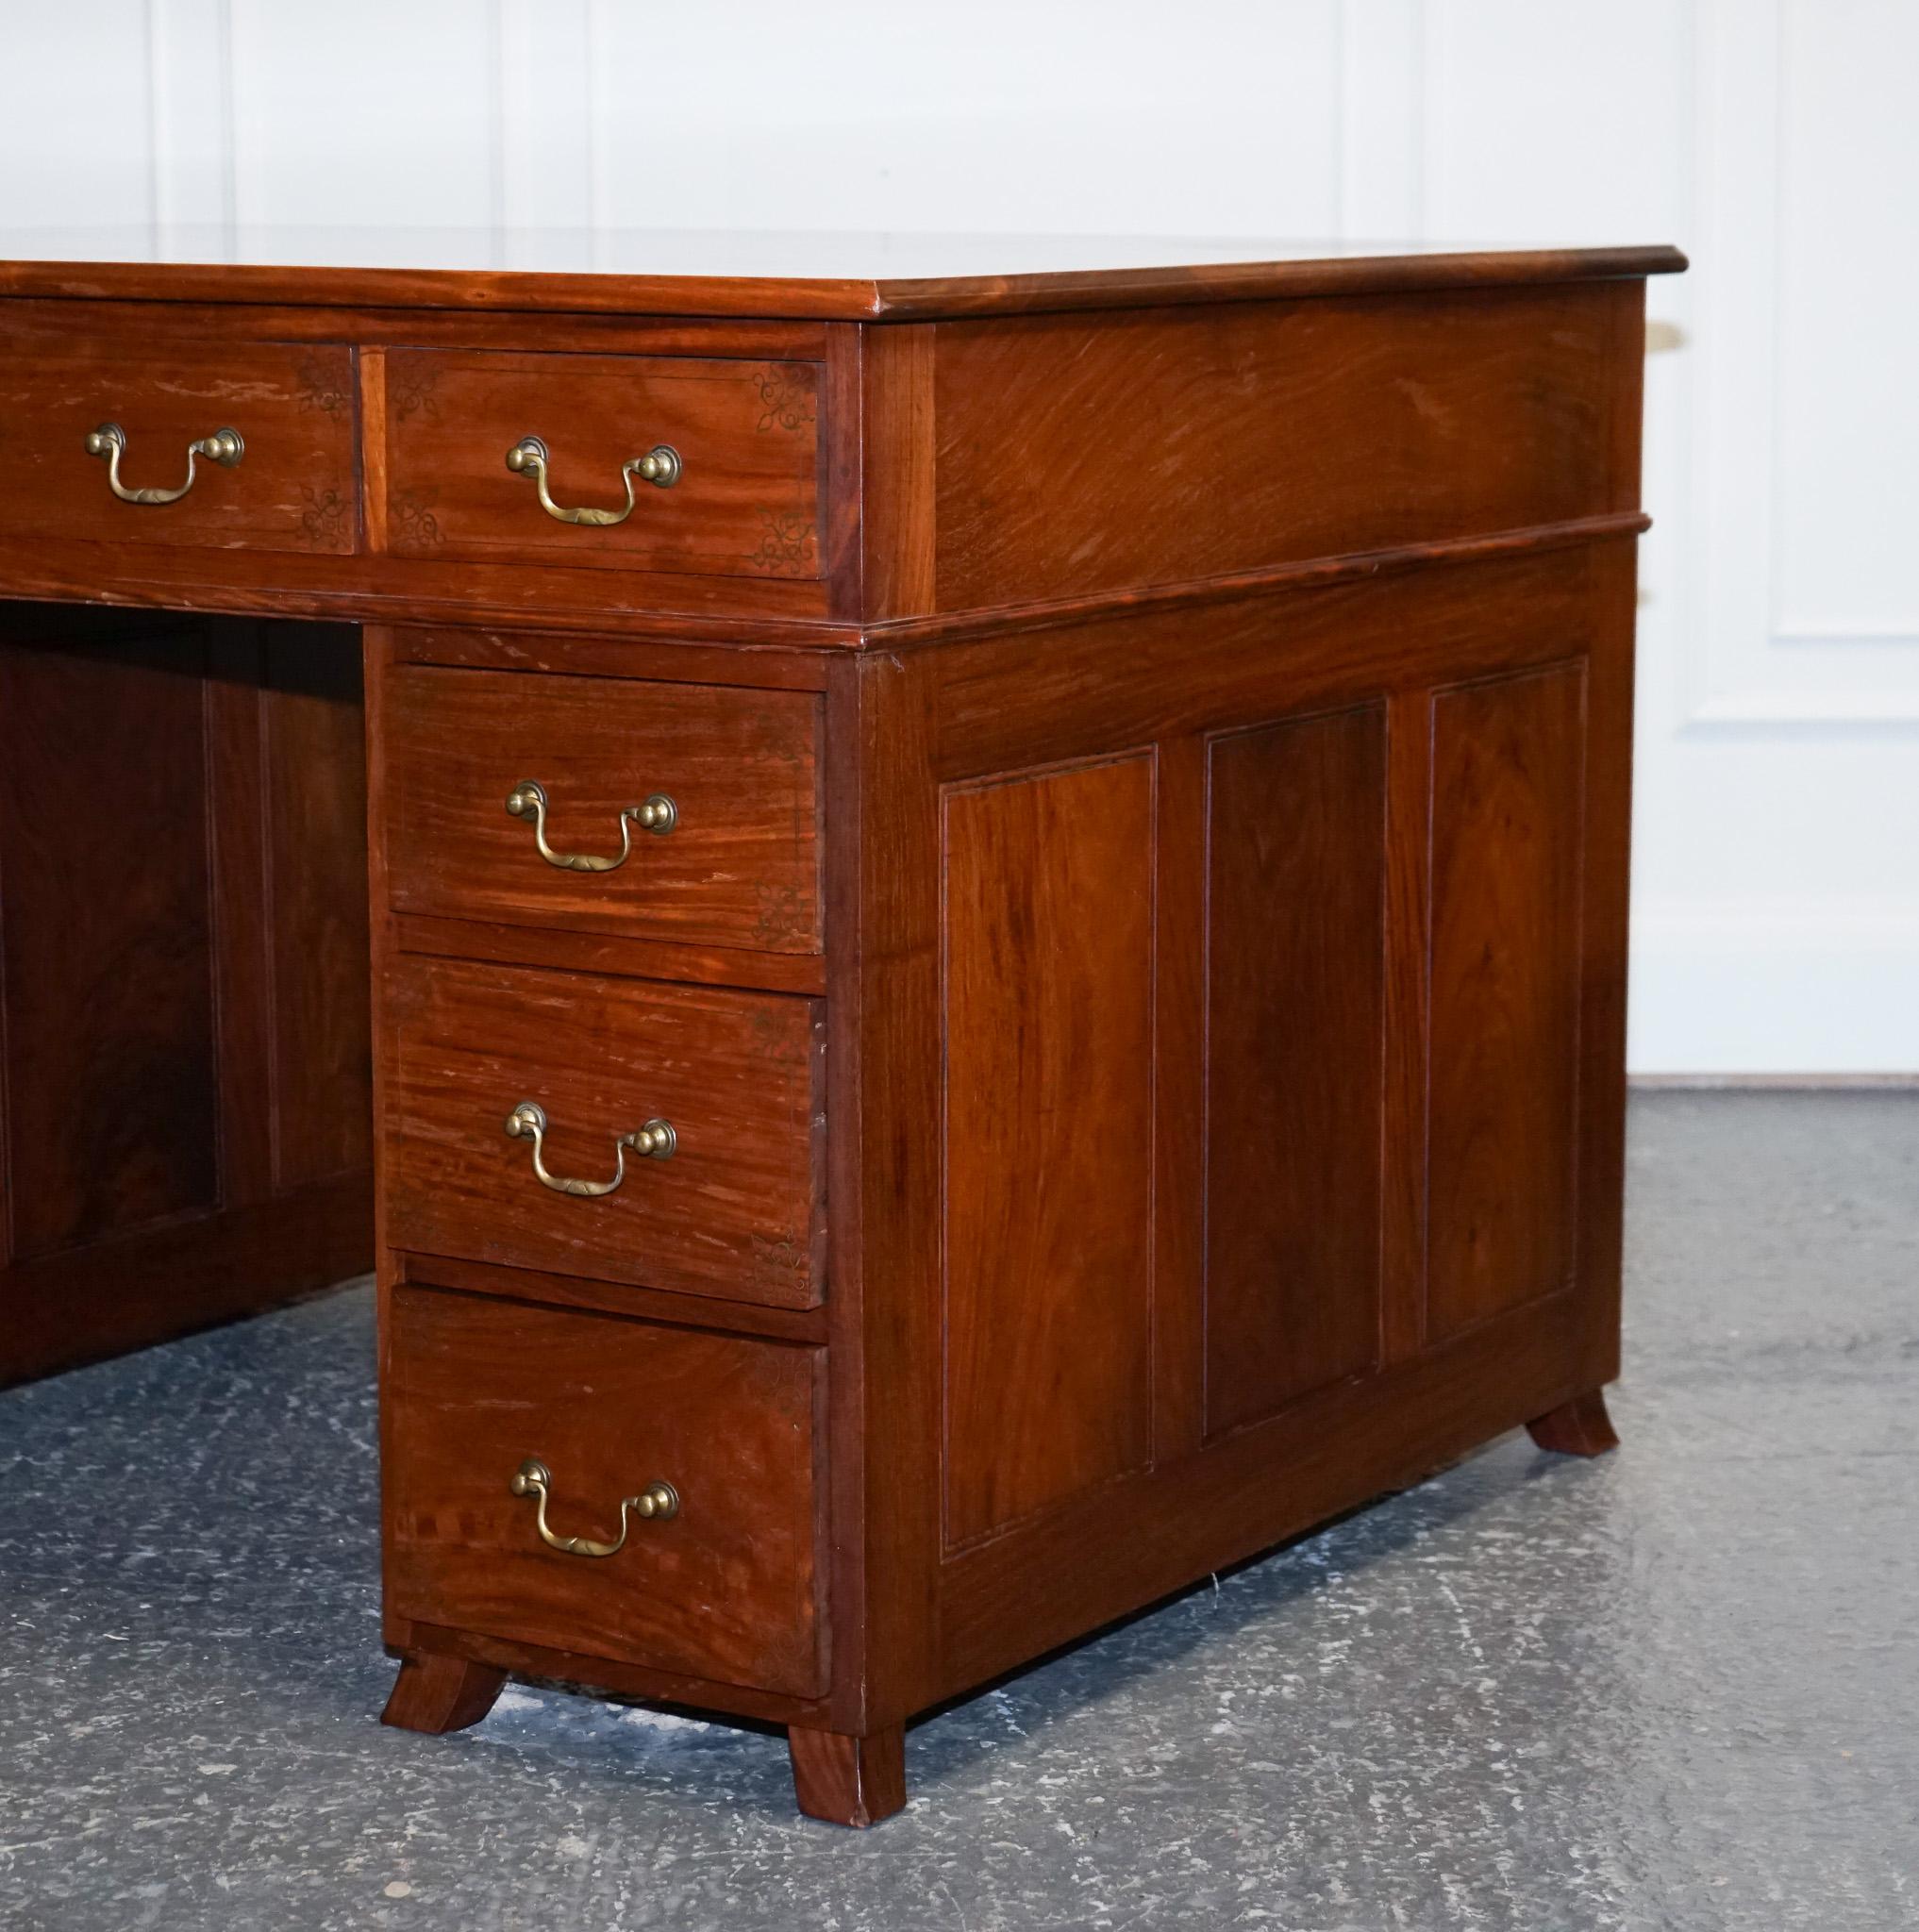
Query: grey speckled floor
{"type": "Point", "coordinates": [1677, 1688]}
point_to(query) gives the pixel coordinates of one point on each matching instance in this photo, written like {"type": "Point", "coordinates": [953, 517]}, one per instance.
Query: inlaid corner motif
{"type": "Point", "coordinates": [411, 518]}
{"type": "Point", "coordinates": [788, 398]}
{"type": "Point", "coordinates": [779, 912]}
{"type": "Point", "coordinates": [412, 395]}
{"type": "Point", "coordinates": [323, 519]}
{"type": "Point", "coordinates": [786, 549]}
{"type": "Point", "coordinates": [320, 388]}
{"type": "Point", "coordinates": [780, 1261]}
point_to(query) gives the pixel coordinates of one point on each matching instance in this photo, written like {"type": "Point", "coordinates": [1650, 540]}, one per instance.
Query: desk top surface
{"type": "Point", "coordinates": [831, 277]}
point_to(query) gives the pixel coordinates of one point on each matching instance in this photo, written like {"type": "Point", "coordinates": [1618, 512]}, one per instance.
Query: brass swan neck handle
{"type": "Point", "coordinates": [660, 466]}
{"type": "Point", "coordinates": [224, 447]}
{"type": "Point", "coordinates": [658, 1502]}
{"type": "Point", "coordinates": [656, 1141]}
{"type": "Point", "coordinates": [657, 814]}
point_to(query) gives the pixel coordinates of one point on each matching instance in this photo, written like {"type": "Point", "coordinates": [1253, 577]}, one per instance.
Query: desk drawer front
{"type": "Point", "coordinates": [728, 1205]}
{"type": "Point", "coordinates": [739, 865]}
{"type": "Point", "coordinates": [289, 483]}
{"type": "Point", "coordinates": [737, 498]}
{"type": "Point", "coordinates": [718, 1581]}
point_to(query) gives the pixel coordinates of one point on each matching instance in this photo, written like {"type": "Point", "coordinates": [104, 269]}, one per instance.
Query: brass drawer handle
{"type": "Point", "coordinates": [658, 1502]}
{"type": "Point", "coordinates": [224, 447]}
{"type": "Point", "coordinates": [657, 814]}
{"type": "Point", "coordinates": [656, 1141]}
{"type": "Point", "coordinates": [659, 467]}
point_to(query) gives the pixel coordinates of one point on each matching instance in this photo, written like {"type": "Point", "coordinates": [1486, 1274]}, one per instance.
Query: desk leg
{"type": "Point", "coordinates": [1579, 1428]}
{"type": "Point", "coordinates": [441, 1693]}
{"type": "Point", "coordinates": [848, 1780]}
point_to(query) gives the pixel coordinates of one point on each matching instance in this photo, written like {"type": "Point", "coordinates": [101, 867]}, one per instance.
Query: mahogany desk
{"type": "Point", "coordinates": [998, 916]}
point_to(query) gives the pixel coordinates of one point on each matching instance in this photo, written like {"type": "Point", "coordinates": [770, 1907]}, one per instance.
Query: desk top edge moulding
{"type": "Point", "coordinates": [994, 883]}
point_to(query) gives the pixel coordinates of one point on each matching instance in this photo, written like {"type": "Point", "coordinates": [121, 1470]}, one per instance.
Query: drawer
{"type": "Point", "coordinates": [744, 437]}
{"type": "Point", "coordinates": [294, 486]}
{"type": "Point", "coordinates": [722, 1588]}
{"type": "Point", "coordinates": [733, 1210]}
{"type": "Point", "coordinates": [740, 866]}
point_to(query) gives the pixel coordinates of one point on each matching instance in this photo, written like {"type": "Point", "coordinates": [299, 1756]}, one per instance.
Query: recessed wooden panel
{"type": "Point", "coordinates": [1507, 788]}
{"type": "Point", "coordinates": [734, 1212]}
{"type": "Point", "coordinates": [1078, 453]}
{"type": "Point", "coordinates": [106, 915]}
{"type": "Point", "coordinates": [294, 488]}
{"type": "Point", "coordinates": [741, 866]}
{"type": "Point", "coordinates": [747, 435]}
{"type": "Point", "coordinates": [1048, 962]}
{"type": "Point", "coordinates": [724, 1589]}
{"type": "Point", "coordinates": [1295, 934]}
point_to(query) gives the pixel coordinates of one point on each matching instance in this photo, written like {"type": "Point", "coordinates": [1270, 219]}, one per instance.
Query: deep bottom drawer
{"type": "Point", "coordinates": [724, 1587]}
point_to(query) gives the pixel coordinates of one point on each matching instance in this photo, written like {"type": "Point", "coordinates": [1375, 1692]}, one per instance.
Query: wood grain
{"type": "Point", "coordinates": [1048, 969]}
{"type": "Point", "coordinates": [105, 911]}
{"type": "Point", "coordinates": [526, 293]}
{"type": "Point", "coordinates": [314, 734]}
{"type": "Point", "coordinates": [294, 488]}
{"type": "Point", "coordinates": [437, 1693]}
{"type": "Point", "coordinates": [746, 503]}
{"type": "Point", "coordinates": [1077, 455]}
{"type": "Point", "coordinates": [1190, 765]}
{"type": "Point", "coordinates": [740, 867]}
{"type": "Point", "coordinates": [848, 1780]}
{"type": "Point", "coordinates": [1297, 838]}
{"type": "Point", "coordinates": [1507, 843]}
{"type": "Point", "coordinates": [726, 1588]}
{"type": "Point", "coordinates": [735, 1212]}
{"type": "Point", "coordinates": [186, 1026]}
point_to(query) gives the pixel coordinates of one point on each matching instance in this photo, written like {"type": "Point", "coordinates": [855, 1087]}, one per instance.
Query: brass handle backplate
{"type": "Point", "coordinates": [656, 1141]}
{"type": "Point", "coordinates": [657, 814]}
{"type": "Point", "coordinates": [658, 1502]}
{"type": "Point", "coordinates": [224, 447]}
{"type": "Point", "coordinates": [659, 466]}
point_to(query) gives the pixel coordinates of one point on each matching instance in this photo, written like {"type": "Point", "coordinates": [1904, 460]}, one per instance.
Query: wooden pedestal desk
{"type": "Point", "coordinates": [998, 916]}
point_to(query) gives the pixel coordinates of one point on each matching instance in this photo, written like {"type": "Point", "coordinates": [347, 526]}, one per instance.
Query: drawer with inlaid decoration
{"type": "Point", "coordinates": [221, 446]}
{"type": "Point", "coordinates": [666, 811]}
{"type": "Point", "coordinates": [666, 1136]}
{"type": "Point", "coordinates": [697, 464]}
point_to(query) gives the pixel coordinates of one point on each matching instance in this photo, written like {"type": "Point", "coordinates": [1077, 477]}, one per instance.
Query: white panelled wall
{"type": "Point", "coordinates": [1777, 830]}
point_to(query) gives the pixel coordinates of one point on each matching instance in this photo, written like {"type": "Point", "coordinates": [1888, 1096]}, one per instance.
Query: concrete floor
{"type": "Point", "coordinates": [1676, 1688]}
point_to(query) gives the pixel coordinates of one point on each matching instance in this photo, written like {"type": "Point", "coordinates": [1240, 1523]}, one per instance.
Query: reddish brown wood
{"type": "Point", "coordinates": [734, 1212]}
{"type": "Point", "coordinates": [1296, 844]}
{"type": "Point", "coordinates": [1506, 858]}
{"type": "Point", "coordinates": [313, 730]}
{"type": "Point", "coordinates": [437, 1693]}
{"type": "Point", "coordinates": [619, 1677]}
{"type": "Point", "coordinates": [740, 868]}
{"type": "Point", "coordinates": [848, 1780]}
{"type": "Point", "coordinates": [967, 291]}
{"type": "Point", "coordinates": [533, 945]}
{"type": "Point", "coordinates": [1579, 1428]}
{"type": "Point", "coordinates": [293, 488]}
{"type": "Point", "coordinates": [724, 1589]}
{"type": "Point", "coordinates": [1140, 979]}
{"type": "Point", "coordinates": [1047, 944]}
{"type": "Point", "coordinates": [617, 1298]}
{"type": "Point", "coordinates": [183, 930]}
{"type": "Point", "coordinates": [105, 828]}
{"type": "Point", "coordinates": [747, 435]}
{"type": "Point", "coordinates": [1278, 431]}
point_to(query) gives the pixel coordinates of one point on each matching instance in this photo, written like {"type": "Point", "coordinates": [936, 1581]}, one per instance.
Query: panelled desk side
{"type": "Point", "coordinates": [1136, 969]}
